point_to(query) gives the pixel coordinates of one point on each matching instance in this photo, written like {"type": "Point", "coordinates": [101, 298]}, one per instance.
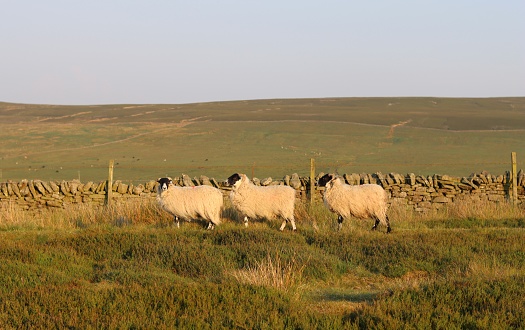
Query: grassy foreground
{"type": "Point", "coordinates": [127, 267]}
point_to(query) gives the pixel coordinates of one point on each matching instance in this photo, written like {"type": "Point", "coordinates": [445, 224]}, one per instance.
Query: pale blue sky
{"type": "Point", "coordinates": [131, 51]}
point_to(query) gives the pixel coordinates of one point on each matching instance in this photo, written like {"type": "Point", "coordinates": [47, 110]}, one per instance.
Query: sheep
{"type": "Point", "coordinates": [190, 202]}
{"type": "Point", "coordinates": [262, 202]}
{"type": "Point", "coordinates": [364, 201]}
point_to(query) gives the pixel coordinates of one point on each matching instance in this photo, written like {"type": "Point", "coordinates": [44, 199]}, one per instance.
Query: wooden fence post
{"type": "Point", "coordinates": [109, 185]}
{"type": "Point", "coordinates": [312, 180]}
{"type": "Point", "coordinates": [514, 175]}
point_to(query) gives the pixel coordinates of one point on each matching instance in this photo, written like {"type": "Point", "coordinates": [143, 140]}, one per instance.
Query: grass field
{"type": "Point", "coordinates": [261, 137]}
{"type": "Point", "coordinates": [127, 267]}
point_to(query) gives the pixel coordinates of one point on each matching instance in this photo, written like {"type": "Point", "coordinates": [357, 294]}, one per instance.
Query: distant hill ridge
{"type": "Point", "coordinates": [455, 114]}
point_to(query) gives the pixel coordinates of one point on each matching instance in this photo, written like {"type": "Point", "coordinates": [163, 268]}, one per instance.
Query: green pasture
{"type": "Point", "coordinates": [261, 137]}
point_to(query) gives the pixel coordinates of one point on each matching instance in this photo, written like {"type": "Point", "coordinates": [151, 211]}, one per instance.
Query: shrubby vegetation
{"type": "Point", "coordinates": [127, 266]}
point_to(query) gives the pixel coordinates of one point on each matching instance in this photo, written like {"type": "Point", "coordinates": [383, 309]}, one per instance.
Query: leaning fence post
{"type": "Point", "coordinates": [312, 180]}
{"type": "Point", "coordinates": [514, 175]}
{"type": "Point", "coordinates": [109, 185]}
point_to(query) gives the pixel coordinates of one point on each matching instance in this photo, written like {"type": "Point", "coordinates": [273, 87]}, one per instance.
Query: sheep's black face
{"type": "Point", "coordinates": [233, 179]}
{"type": "Point", "coordinates": [324, 180]}
{"type": "Point", "coordinates": [164, 183]}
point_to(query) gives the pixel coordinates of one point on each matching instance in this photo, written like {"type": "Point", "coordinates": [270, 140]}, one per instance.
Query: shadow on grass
{"type": "Point", "coordinates": [354, 297]}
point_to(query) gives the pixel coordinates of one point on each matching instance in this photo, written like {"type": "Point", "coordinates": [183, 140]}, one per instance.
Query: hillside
{"type": "Point", "coordinates": [438, 113]}
{"type": "Point", "coordinates": [261, 137]}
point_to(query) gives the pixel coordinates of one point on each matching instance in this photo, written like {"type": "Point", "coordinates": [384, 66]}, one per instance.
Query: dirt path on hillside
{"type": "Point", "coordinates": [392, 127]}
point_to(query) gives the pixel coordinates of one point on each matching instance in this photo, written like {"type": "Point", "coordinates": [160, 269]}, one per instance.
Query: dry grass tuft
{"type": "Point", "coordinates": [462, 208]}
{"type": "Point", "coordinates": [136, 211]}
{"type": "Point", "coordinates": [468, 208]}
{"type": "Point", "coordinates": [492, 269]}
{"type": "Point", "coordinates": [272, 272]}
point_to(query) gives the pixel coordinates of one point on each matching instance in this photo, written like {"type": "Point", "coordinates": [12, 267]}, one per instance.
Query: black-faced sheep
{"type": "Point", "coordinates": [267, 202]}
{"type": "Point", "coordinates": [190, 202]}
{"type": "Point", "coordinates": [364, 201]}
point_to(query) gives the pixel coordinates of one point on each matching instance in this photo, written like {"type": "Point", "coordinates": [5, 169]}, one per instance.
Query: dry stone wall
{"type": "Point", "coordinates": [418, 192]}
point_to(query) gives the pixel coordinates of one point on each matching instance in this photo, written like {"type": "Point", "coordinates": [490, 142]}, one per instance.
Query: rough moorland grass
{"type": "Point", "coordinates": [128, 267]}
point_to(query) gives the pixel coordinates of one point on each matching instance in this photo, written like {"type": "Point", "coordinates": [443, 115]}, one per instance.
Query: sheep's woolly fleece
{"type": "Point", "coordinates": [363, 201]}
{"type": "Point", "coordinates": [268, 202]}
{"type": "Point", "coordinates": [190, 202]}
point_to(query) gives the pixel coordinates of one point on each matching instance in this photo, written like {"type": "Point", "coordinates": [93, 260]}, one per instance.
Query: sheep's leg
{"type": "Point", "coordinates": [211, 226]}
{"type": "Point", "coordinates": [292, 221]}
{"type": "Point", "coordinates": [283, 225]}
{"type": "Point", "coordinates": [246, 221]}
{"type": "Point", "coordinates": [386, 222]}
{"type": "Point", "coordinates": [375, 224]}
{"type": "Point", "coordinates": [339, 222]}
{"type": "Point", "coordinates": [177, 222]}
{"type": "Point", "coordinates": [388, 229]}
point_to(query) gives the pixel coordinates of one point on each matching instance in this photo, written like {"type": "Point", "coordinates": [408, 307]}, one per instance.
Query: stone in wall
{"type": "Point", "coordinates": [352, 179]}
{"type": "Point", "coordinates": [32, 189]}
{"type": "Point", "coordinates": [187, 182]}
{"type": "Point", "coordinates": [266, 181]}
{"type": "Point", "coordinates": [295, 182]}
{"type": "Point", "coordinates": [205, 180]}
{"type": "Point", "coordinates": [137, 190]}
{"type": "Point", "coordinates": [215, 183]}
{"type": "Point", "coordinates": [122, 188]}
{"type": "Point", "coordinates": [39, 187]}
{"type": "Point", "coordinates": [286, 180]}
{"type": "Point", "coordinates": [412, 178]}
{"type": "Point", "coordinates": [150, 185]}
{"type": "Point", "coordinates": [87, 186]}
{"type": "Point", "coordinates": [3, 188]}
{"type": "Point", "coordinates": [15, 189]}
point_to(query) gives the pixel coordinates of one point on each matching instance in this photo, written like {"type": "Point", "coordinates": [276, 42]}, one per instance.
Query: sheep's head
{"type": "Point", "coordinates": [234, 178]}
{"type": "Point", "coordinates": [164, 183]}
{"type": "Point", "coordinates": [325, 179]}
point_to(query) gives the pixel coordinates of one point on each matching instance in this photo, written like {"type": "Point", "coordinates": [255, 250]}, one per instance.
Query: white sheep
{"type": "Point", "coordinates": [190, 202]}
{"type": "Point", "coordinates": [267, 202]}
{"type": "Point", "coordinates": [364, 201]}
